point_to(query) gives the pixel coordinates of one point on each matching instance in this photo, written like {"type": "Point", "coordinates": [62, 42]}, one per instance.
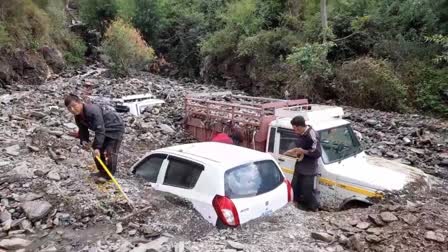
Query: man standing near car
{"type": "Point", "coordinates": [308, 152]}
{"type": "Point", "coordinates": [108, 128]}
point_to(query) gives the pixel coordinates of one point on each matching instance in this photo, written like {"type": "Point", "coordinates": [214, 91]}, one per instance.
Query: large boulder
{"type": "Point", "coordinates": [30, 66]}
{"type": "Point", "coordinates": [54, 58]}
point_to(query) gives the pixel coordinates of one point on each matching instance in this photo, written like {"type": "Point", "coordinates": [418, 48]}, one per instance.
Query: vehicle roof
{"type": "Point", "coordinates": [226, 156]}
{"type": "Point", "coordinates": [317, 125]}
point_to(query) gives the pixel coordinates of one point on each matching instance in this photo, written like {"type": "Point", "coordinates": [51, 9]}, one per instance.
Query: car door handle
{"type": "Point", "coordinates": [281, 159]}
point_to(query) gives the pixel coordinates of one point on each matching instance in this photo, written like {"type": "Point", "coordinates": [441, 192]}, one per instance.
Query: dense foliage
{"type": "Point", "coordinates": [385, 54]}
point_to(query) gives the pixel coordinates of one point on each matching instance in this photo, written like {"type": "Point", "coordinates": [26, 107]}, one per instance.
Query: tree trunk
{"type": "Point", "coordinates": [323, 16]}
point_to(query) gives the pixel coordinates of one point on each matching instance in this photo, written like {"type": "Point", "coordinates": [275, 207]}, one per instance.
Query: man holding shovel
{"type": "Point", "coordinates": [108, 128]}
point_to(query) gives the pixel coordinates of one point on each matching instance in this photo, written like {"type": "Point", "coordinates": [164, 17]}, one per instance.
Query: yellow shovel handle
{"type": "Point", "coordinates": [113, 179]}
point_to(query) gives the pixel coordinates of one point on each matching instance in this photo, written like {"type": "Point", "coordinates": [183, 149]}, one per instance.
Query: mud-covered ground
{"type": "Point", "coordinates": [49, 202]}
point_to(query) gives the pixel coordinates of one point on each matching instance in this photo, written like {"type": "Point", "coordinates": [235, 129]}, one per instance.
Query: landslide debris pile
{"type": "Point", "coordinates": [49, 203]}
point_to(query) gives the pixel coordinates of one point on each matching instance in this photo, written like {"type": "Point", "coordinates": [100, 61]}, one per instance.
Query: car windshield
{"type": "Point", "coordinates": [252, 179]}
{"type": "Point", "coordinates": [338, 143]}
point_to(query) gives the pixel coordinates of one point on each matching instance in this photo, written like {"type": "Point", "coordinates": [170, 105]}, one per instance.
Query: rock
{"type": "Point", "coordinates": [4, 163]}
{"type": "Point", "coordinates": [119, 228]}
{"type": "Point", "coordinates": [150, 246]}
{"type": "Point", "coordinates": [14, 243]}
{"type": "Point", "coordinates": [33, 148]}
{"type": "Point", "coordinates": [417, 151]}
{"type": "Point", "coordinates": [41, 173]}
{"type": "Point", "coordinates": [6, 219]}
{"type": "Point", "coordinates": [132, 232]}
{"type": "Point", "coordinates": [434, 236]}
{"type": "Point", "coordinates": [22, 170]}
{"type": "Point", "coordinates": [56, 133]}
{"type": "Point", "coordinates": [373, 238]}
{"type": "Point", "coordinates": [30, 66]}
{"type": "Point", "coordinates": [13, 150]}
{"type": "Point", "coordinates": [166, 129]}
{"type": "Point", "coordinates": [180, 247]}
{"type": "Point", "coordinates": [375, 231]}
{"type": "Point", "coordinates": [36, 210]}
{"type": "Point", "coordinates": [322, 236]}
{"type": "Point", "coordinates": [235, 245]}
{"type": "Point", "coordinates": [29, 197]}
{"type": "Point", "coordinates": [54, 58]}
{"type": "Point", "coordinates": [372, 122]}
{"type": "Point", "coordinates": [376, 219]}
{"type": "Point", "coordinates": [355, 243]}
{"type": "Point", "coordinates": [406, 141]}
{"type": "Point", "coordinates": [70, 125]}
{"type": "Point", "coordinates": [37, 114]}
{"type": "Point", "coordinates": [54, 175]}
{"type": "Point", "coordinates": [410, 219]}
{"type": "Point", "coordinates": [444, 163]}
{"type": "Point", "coordinates": [388, 217]}
{"type": "Point", "coordinates": [49, 249]}
{"type": "Point", "coordinates": [363, 225]}
{"type": "Point", "coordinates": [26, 225]}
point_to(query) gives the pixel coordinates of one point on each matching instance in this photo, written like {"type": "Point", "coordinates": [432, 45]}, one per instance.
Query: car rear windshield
{"type": "Point", "coordinates": [252, 179]}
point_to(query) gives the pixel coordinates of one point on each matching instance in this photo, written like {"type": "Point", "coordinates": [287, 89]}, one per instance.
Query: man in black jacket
{"type": "Point", "coordinates": [308, 152]}
{"type": "Point", "coordinates": [108, 128]}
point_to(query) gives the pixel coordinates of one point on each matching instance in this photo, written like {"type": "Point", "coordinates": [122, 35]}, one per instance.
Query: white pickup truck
{"type": "Point", "coordinates": [346, 174]}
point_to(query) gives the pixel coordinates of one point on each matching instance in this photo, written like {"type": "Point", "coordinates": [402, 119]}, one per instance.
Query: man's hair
{"type": "Point", "coordinates": [298, 121]}
{"type": "Point", "coordinates": [71, 98]}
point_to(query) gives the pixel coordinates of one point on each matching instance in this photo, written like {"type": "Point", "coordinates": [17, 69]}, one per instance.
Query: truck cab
{"type": "Point", "coordinates": [346, 173]}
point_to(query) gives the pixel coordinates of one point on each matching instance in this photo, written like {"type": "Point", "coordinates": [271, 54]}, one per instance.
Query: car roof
{"type": "Point", "coordinates": [227, 156]}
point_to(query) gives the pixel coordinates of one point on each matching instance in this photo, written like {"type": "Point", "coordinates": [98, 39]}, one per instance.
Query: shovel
{"type": "Point", "coordinates": [98, 158]}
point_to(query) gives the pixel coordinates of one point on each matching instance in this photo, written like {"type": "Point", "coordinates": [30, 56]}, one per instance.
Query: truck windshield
{"type": "Point", "coordinates": [338, 143]}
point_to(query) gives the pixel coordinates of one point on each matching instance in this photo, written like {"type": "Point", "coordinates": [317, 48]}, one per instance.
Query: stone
{"type": "Point", "coordinates": [435, 236]}
{"type": "Point", "coordinates": [6, 219]}
{"type": "Point", "coordinates": [373, 238]}
{"type": "Point", "coordinates": [70, 125]}
{"type": "Point", "coordinates": [4, 163]}
{"type": "Point", "coordinates": [29, 197]}
{"type": "Point", "coordinates": [37, 114]}
{"type": "Point", "coordinates": [363, 225]}
{"type": "Point", "coordinates": [33, 148]}
{"type": "Point", "coordinates": [132, 232]}
{"type": "Point", "coordinates": [13, 150]}
{"type": "Point", "coordinates": [150, 246]}
{"type": "Point", "coordinates": [406, 141]}
{"type": "Point", "coordinates": [388, 217]}
{"type": "Point", "coordinates": [409, 219]}
{"type": "Point", "coordinates": [22, 170]}
{"type": "Point", "coordinates": [56, 133]}
{"type": "Point", "coordinates": [375, 231]}
{"type": "Point", "coordinates": [372, 122]}
{"type": "Point", "coordinates": [235, 245]}
{"type": "Point", "coordinates": [119, 228]}
{"type": "Point", "coordinates": [376, 220]}
{"type": "Point", "coordinates": [54, 175]}
{"type": "Point", "coordinates": [355, 243]}
{"type": "Point", "coordinates": [26, 225]}
{"type": "Point", "coordinates": [444, 163]}
{"type": "Point", "coordinates": [166, 129]}
{"type": "Point", "coordinates": [322, 236]}
{"type": "Point", "coordinates": [14, 243]}
{"type": "Point", "coordinates": [36, 210]}
{"type": "Point", "coordinates": [54, 58]}
{"type": "Point", "coordinates": [49, 249]}
{"type": "Point", "coordinates": [180, 247]}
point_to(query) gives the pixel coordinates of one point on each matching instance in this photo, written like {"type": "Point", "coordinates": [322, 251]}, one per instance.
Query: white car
{"type": "Point", "coordinates": [228, 185]}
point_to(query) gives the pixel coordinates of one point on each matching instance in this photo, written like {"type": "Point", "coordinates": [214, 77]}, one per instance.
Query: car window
{"type": "Point", "coordinates": [252, 179]}
{"type": "Point", "coordinates": [271, 140]}
{"type": "Point", "coordinates": [182, 173]}
{"type": "Point", "coordinates": [287, 140]}
{"type": "Point", "coordinates": [149, 168]}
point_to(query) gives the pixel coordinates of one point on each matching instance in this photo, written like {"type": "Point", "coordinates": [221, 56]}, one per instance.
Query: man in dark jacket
{"type": "Point", "coordinates": [308, 152]}
{"type": "Point", "coordinates": [108, 128]}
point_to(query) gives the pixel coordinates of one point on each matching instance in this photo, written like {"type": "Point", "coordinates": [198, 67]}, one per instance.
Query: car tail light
{"type": "Point", "coordinates": [289, 188]}
{"type": "Point", "coordinates": [226, 211]}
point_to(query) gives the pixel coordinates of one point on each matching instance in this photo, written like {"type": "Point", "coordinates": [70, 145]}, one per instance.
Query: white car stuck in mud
{"type": "Point", "coordinates": [228, 185]}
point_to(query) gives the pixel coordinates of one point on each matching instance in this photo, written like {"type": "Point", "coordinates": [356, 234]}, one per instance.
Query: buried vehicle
{"type": "Point", "coordinates": [227, 184]}
{"type": "Point", "coordinates": [347, 175]}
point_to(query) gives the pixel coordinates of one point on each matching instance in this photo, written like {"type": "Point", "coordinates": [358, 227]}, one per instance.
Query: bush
{"type": "Point", "coordinates": [126, 48]}
{"type": "Point", "coordinates": [98, 13]}
{"type": "Point", "coordinates": [4, 36]}
{"type": "Point", "coordinates": [75, 51]}
{"type": "Point", "coordinates": [370, 83]}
